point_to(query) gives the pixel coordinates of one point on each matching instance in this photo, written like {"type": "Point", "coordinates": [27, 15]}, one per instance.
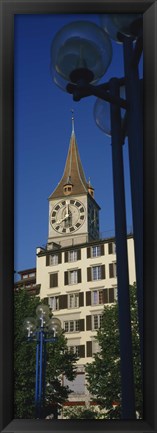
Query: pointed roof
{"type": "Point", "coordinates": [73, 171]}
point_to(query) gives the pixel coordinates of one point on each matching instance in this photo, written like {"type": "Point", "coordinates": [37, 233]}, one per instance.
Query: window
{"type": "Point", "coordinates": [72, 256]}
{"type": "Point", "coordinates": [73, 300]}
{"type": "Point", "coordinates": [53, 260]}
{"type": "Point", "coordinates": [97, 321]}
{"type": "Point", "coordinates": [97, 297]}
{"type": "Point", "coordinates": [25, 276]}
{"type": "Point", "coordinates": [53, 280]}
{"type": "Point", "coordinates": [73, 277]}
{"type": "Point", "coordinates": [71, 326]}
{"type": "Point", "coordinates": [96, 251]}
{"type": "Point", "coordinates": [96, 272]}
{"type": "Point", "coordinates": [74, 349]}
{"type": "Point", "coordinates": [113, 270]}
{"type": "Point", "coordinates": [54, 302]}
{"type": "Point", "coordinates": [32, 275]}
{"type": "Point", "coordinates": [112, 248]}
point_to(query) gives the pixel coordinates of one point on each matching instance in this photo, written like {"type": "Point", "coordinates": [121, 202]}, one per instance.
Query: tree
{"type": "Point", "coordinates": [59, 362]}
{"type": "Point", "coordinates": [103, 375]}
{"type": "Point", "coordinates": [78, 412]}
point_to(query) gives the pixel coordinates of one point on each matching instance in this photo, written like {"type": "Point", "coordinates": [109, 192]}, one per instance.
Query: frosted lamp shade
{"type": "Point", "coordinates": [42, 311]}
{"type": "Point", "coordinates": [29, 325]}
{"type": "Point", "coordinates": [81, 44]}
{"type": "Point", "coordinates": [113, 24]}
{"type": "Point", "coordinates": [55, 326]}
{"type": "Point", "coordinates": [102, 113]}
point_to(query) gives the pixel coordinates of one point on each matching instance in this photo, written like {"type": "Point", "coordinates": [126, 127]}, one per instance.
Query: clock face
{"type": "Point", "coordinates": [67, 216]}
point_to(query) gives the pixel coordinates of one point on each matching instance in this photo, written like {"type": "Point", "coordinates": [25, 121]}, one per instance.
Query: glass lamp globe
{"type": "Point", "coordinates": [81, 52]}
{"type": "Point", "coordinates": [29, 325]}
{"type": "Point", "coordinates": [42, 311]}
{"type": "Point", "coordinates": [55, 326]}
{"type": "Point", "coordinates": [126, 24]}
{"type": "Point", "coordinates": [102, 115]}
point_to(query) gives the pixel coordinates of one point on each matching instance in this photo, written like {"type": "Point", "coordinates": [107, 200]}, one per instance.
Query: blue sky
{"type": "Point", "coordinates": [42, 116]}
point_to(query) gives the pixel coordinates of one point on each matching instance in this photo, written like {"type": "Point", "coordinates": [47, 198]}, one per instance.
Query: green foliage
{"type": "Point", "coordinates": [78, 412]}
{"type": "Point", "coordinates": [103, 375]}
{"type": "Point", "coordinates": [59, 362]}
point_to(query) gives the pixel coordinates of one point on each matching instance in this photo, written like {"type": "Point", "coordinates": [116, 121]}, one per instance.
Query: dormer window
{"type": "Point", "coordinates": [68, 186]}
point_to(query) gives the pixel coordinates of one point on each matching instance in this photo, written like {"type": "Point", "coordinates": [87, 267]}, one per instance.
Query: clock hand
{"type": "Point", "coordinates": [60, 221]}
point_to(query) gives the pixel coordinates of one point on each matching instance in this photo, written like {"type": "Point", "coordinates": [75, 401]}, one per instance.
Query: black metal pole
{"type": "Point", "coordinates": [135, 142]}
{"type": "Point", "coordinates": [126, 358]}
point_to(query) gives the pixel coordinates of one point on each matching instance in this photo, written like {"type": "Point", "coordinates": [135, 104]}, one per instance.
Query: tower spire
{"type": "Point", "coordinates": [72, 119]}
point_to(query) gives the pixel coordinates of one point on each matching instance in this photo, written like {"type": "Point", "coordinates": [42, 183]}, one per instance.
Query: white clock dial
{"type": "Point", "coordinates": [67, 216]}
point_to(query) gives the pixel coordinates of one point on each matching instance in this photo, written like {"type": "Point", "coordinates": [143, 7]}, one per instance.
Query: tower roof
{"type": "Point", "coordinates": [73, 172]}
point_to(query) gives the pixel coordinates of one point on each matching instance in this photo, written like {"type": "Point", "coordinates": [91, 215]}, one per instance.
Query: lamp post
{"type": "Point", "coordinates": [43, 330]}
{"type": "Point", "coordinates": [80, 55]}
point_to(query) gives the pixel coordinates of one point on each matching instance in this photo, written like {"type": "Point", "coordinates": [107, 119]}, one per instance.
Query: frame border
{"type": "Point", "coordinates": [8, 8]}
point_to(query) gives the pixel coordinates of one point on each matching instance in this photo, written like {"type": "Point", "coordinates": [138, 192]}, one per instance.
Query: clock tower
{"type": "Point", "coordinates": [73, 211]}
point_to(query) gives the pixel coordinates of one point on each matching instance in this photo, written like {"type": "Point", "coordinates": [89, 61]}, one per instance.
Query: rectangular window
{"type": "Point", "coordinates": [112, 248]}
{"type": "Point", "coordinates": [113, 270]}
{"type": "Point", "coordinates": [54, 280]}
{"type": "Point", "coordinates": [96, 251]}
{"type": "Point", "coordinates": [53, 260]}
{"type": "Point", "coordinates": [74, 349]}
{"type": "Point", "coordinates": [96, 272]}
{"type": "Point", "coordinates": [73, 277]}
{"type": "Point", "coordinates": [54, 302]}
{"type": "Point", "coordinates": [71, 326]}
{"type": "Point", "coordinates": [97, 321]}
{"type": "Point", "coordinates": [97, 297]}
{"type": "Point", "coordinates": [72, 256]}
{"type": "Point", "coordinates": [73, 300]}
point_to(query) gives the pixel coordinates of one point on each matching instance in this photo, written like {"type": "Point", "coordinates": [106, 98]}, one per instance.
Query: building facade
{"type": "Point", "coordinates": [76, 271]}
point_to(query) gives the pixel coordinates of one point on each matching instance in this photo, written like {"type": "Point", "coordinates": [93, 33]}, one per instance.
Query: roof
{"type": "Point", "coordinates": [73, 173]}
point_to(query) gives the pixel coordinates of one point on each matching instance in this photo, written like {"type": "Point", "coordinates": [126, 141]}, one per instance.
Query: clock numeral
{"type": "Point", "coordinates": [57, 228]}
{"type": "Point", "coordinates": [82, 217]}
{"type": "Point", "coordinates": [53, 214]}
{"type": "Point", "coordinates": [78, 225]}
{"type": "Point", "coordinates": [72, 229]}
{"type": "Point", "coordinates": [53, 221]}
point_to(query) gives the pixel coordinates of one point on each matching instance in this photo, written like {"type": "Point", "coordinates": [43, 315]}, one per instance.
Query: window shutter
{"type": "Point", "coordinates": [102, 250]}
{"type": "Point", "coordinates": [88, 298]}
{"type": "Point", "coordinates": [111, 270]}
{"type": "Point", "coordinates": [47, 260]}
{"type": "Point", "coordinates": [81, 325]}
{"type": "Point", "coordinates": [111, 294]}
{"type": "Point", "coordinates": [110, 248]}
{"type": "Point", "coordinates": [59, 257]}
{"type": "Point", "coordinates": [66, 278]}
{"type": "Point", "coordinates": [66, 256]}
{"type": "Point", "coordinates": [89, 274]}
{"type": "Point", "coordinates": [88, 323]}
{"type": "Point", "coordinates": [81, 299]}
{"type": "Point", "coordinates": [53, 280]}
{"type": "Point", "coordinates": [88, 252]}
{"type": "Point", "coordinates": [89, 348]}
{"type": "Point", "coordinates": [63, 302]}
{"type": "Point", "coordinates": [82, 351]}
{"type": "Point", "coordinates": [103, 272]}
{"type": "Point", "coordinates": [79, 275]}
{"type": "Point", "coordinates": [105, 299]}
{"type": "Point", "coordinates": [78, 254]}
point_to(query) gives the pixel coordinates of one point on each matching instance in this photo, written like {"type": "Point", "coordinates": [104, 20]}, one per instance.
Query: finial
{"type": "Point", "coordinates": [72, 121]}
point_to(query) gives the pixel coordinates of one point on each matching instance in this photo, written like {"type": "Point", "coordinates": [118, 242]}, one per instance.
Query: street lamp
{"type": "Point", "coordinates": [43, 330]}
{"type": "Point", "coordinates": [81, 75]}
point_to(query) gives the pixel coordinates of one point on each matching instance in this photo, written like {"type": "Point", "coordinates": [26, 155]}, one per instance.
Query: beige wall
{"type": "Point", "coordinates": [43, 277]}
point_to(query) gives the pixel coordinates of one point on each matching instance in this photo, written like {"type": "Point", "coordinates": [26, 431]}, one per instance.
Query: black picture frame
{"type": "Point", "coordinates": [7, 11]}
